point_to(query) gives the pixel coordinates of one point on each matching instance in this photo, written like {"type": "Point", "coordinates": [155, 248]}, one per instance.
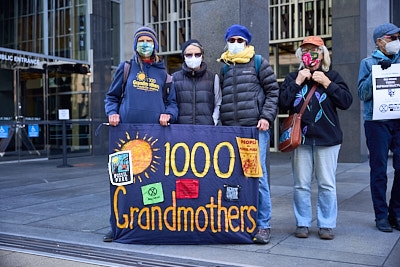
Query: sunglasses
{"type": "Point", "coordinates": [196, 55]}
{"type": "Point", "coordinates": [392, 37]}
{"type": "Point", "coordinates": [233, 40]}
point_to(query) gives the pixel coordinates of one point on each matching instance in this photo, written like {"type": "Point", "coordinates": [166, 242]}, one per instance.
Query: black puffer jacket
{"type": "Point", "coordinates": [195, 95]}
{"type": "Point", "coordinates": [247, 98]}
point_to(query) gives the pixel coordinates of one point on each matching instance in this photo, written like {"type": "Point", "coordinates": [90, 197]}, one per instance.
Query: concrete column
{"type": "Point", "coordinates": [133, 19]}
{"type": "Point", "coordinates": [210, 20]}
{"type": "Point", "coordinates": [100, 21]}
{"type": "Point", "coordinates": [351, 42]}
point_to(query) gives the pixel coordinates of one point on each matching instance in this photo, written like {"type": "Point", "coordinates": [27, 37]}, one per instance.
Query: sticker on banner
{"type": "Point", "coordinates": [187, 188]}
{"type": "Point", "coordinates": [249, 156]}
{"type": "Point", "coordinates": [152, 193]}
{"type": "Point", "coordinates": [231, 192]}
{"type": "Point", "coordinates": [119, 168]}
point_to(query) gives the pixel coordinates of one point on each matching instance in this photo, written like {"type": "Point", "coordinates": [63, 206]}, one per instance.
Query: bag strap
{"type": "Point", "coordinates": [303, 108]}
{"type": "Point", "coordinates": [166, 87]}
{"type": "Point", "coordinates": [127, 69]}
{"type": "Point", "coordinates": [257, 64]}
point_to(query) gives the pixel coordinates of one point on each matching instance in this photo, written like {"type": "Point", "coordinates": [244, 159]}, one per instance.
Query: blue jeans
{"type": "Point", "coordinates": [382, 136]}
{"type": "Point", "coordinates": [322, 160]}
{"type": "Point", "coordinates": [264, 197]}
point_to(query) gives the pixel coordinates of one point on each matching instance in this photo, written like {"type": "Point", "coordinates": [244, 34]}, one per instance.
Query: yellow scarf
{"type": "Point", "coordinates": [241, 57]}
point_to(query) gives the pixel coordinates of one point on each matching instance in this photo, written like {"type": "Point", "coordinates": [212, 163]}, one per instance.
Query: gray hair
{"type": "Point", "coordinates": [326, 61]}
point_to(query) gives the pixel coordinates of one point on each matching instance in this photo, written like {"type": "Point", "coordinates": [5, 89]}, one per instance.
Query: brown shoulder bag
{"type": "Point", "coordinates": [290, 137]}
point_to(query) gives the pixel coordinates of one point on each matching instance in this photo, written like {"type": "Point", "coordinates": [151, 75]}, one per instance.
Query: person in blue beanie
{"type": "Point", "coordinates": [143, 99]}
{"type": "Point", "coordinates": [197, 89]}
{"type": "Point", "coordinates": [250, 98]}
{"type": "Point", "coordinates": [382, 135]}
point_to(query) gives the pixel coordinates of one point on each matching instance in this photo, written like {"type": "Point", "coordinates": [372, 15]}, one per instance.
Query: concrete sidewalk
{"type": "Point", "coordinates": [68, 208]}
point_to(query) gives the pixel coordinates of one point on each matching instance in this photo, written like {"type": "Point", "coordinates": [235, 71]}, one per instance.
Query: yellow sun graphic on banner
{"type": "Point", "coordinates": [142, 152]}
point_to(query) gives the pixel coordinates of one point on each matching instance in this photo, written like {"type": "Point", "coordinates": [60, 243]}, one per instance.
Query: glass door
{"type": "Point", "coordinates": [22, 116]}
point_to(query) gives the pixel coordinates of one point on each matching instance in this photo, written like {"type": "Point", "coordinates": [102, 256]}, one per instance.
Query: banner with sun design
{"type": "Point", "coordinates": [187, 186]}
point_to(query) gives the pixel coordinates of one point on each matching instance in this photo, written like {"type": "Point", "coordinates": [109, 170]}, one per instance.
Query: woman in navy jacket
{"type": "Point", "coordinates": [142, 100]}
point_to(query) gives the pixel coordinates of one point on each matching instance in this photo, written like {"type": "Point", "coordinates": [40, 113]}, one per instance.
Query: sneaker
{"type": "Point", "coordinates": [326, 233]}
{"type": "Point", "coordinates": [394, 222]}
{"type": "Point", "coordinates": [301, 232]}
{"type": "Point", "coordinates": [383, 225]}
{"type": "Point", "coordinates": [108, 237]}
{"type": "Point", "coordinates": [262, 236]}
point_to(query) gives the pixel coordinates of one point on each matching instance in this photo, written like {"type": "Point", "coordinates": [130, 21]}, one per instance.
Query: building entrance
{"type": "Point", "coordinates": [22, 116]}
{"type": "Point", "coordinates": [32, 91]}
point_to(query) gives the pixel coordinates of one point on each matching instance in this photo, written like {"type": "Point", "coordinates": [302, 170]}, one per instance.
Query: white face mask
{"type": "Point", "coordinates": [393, 47]}
{"type": "Point", "coordinates": [193, 62]}
{"type": "Point", "coordinates": [235, 47]}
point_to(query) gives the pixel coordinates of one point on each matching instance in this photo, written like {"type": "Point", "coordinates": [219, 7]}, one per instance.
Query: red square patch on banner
{"type": "Point", "coordinates": [187, 188]}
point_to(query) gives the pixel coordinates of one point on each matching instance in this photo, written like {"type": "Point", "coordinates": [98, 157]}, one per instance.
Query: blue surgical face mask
{"type": "Point", "coordinates": [145, 49]}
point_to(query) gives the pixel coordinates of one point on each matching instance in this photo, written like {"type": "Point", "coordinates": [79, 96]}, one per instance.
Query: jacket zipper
{"type": "Point", "coordinates": [235, 115]}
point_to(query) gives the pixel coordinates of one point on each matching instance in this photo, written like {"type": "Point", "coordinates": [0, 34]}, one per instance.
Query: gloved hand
{"type": "Point", "coordinates": [385, 64]}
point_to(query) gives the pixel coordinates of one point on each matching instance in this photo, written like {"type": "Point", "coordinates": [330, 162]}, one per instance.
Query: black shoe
{"type": "Point", "coordinates": [395, 222]}
{"type": "Point", "coordinates": [383, 225]}
{"type": "Point", "coordinates": [108, 237]}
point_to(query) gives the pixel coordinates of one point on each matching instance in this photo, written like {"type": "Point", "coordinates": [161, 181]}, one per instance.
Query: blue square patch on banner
{"type": "Point", "coordinates": [3, 131]}
{"type": "Point", "coordinates": [33, 130]}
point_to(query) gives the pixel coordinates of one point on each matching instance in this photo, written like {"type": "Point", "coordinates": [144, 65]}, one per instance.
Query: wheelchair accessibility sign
{"type": "Point", "coordinates": [33, 130]}
{"type": "Point", "coordinates": [3, 131]}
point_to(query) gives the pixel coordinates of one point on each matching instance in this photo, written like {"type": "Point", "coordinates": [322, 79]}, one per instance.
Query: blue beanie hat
{"type": "Point", "coordinates": [148, 31]}
{"type": "Point", "coordinates": [238, 30]}
{"type": "Point", "coordinates": [385, 29]}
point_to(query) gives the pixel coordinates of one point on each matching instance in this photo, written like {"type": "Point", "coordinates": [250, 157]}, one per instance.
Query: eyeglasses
{"type": "Point", "coordinates": [233, 40]}
{"type": "Point", "coordinates": [191, 55]}
{"type": "Point", "coordinates": [392, 37]}
{"type": "Point", "coordinates": [314, 50]}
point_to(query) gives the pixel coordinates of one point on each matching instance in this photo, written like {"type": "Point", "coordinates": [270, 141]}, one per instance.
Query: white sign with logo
{"type": "Point", "coordinates": [386, 92]}
{"type": "Point", "coordinates": [63, 114]}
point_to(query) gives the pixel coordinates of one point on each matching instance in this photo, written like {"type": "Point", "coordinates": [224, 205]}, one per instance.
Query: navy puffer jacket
{"type": "Point", "coordinates": [246, 97]}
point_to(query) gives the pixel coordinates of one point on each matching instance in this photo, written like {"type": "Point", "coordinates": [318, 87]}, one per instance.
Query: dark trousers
{"type": "Point", "coordinates": [382, 136]}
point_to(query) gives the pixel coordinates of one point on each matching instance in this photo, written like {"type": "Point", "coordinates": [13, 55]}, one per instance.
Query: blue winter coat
{"type": "Point", "coordinates": [143, 100]}
{"type": "Point", "coordinates": [365, 80]}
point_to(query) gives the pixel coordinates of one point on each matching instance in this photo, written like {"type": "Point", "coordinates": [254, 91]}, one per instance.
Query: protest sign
{"type": "Point", "coordinates": [386, 92]}
{"type": "Point", "coordinates": [188, 184]}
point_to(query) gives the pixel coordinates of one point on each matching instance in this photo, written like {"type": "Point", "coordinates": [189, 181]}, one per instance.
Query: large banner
{"type": "Point", "coordinates": [183, 184]}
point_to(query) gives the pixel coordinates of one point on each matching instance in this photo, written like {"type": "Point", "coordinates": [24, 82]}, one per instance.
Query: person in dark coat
{"type": "Point", "coordinates": [197, 89]}
{"type": "Point", "coordinates": [321, 134]}
{"type": "Point", "coordinates": [250, 98]}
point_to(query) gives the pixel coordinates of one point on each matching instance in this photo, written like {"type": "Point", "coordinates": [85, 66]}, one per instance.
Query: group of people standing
{"type": "Point", "coordinates": [246, 93]}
